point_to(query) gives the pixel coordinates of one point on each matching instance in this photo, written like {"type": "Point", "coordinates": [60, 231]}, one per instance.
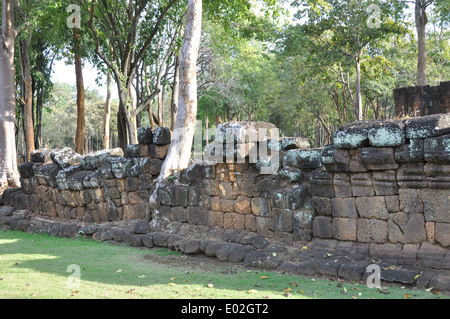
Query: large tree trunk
{"type": "Point", "coordinates": [81, 124]}
{"type": "Point", "coordinates": [421, 21]}
{"type": "Point", "coordinates": [8, 156]}
{"type": "Point", "coordinates": [179, 152]}
{"type": "Point", "coordinates": [175, 94]}
{"type": "Point", "coordinates": [107, 118]}
{"type": "Point", "coordinates": [28, 98]}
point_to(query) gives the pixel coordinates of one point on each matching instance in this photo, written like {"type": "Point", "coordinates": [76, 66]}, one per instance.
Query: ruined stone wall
{"type": "Point", "coordinates": [386, 182]}
{"type": "Point", "coordinates": [381, 182]}
{"type": "Point", "coordinates": [422, 100]}
{"type": "Point", "coordinates": [107, 185]}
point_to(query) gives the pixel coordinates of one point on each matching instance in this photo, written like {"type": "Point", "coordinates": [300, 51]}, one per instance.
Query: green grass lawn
{"type": "Point", "coordinates": [38, 266]}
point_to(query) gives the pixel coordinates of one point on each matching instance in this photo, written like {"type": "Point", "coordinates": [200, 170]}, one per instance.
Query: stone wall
{"type": "Point", "coordinates": [108, 185]}
{"type": "Point", "coordinates": [422, 100]}
{"type": "Point", "coordinates": [381, 182]}
{"type": "Point", "coordinates": [386, 182]}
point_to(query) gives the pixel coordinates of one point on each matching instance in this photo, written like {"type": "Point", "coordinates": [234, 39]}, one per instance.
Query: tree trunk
{"type": "Point", "coordinates": [358, 100]}
{"type": "Point", "coordinates": [175, 93]}
{"type": "Point", "coordinates": [421, 21]}
{"type": "Point", "coordinates": [107, 118]}
{"type": "Point", "coordinates": [28, 98]}
{"type": "Point", "coordinates": [179, 153]}
{"type": "Point", "coordinates": [8, 155]}
{"type": "Point", "coordinates": [81, 124]}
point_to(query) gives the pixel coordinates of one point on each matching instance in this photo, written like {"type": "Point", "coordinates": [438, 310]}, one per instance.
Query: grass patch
{"type": "Point", "coordinates": [39, 266]}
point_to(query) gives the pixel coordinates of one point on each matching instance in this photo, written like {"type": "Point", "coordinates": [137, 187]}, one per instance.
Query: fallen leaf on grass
{"type": "Point", "coordinates": [293, 284]}
{"type": "Point", "coordinates": [171, 284]}
{"type": "Point", "coordinates": [252, 291]}
{"type": "Point", "coordinates": [435, 291]}
{"type": "Point", "coordinates": [287, 289]}
{"type": "Point", "coordinates": [407, 296]}
{"type": "Point", "coordinates": [210, 285]}
{"type": "Point", "coordinates": [263, 277]}
{"type": "Point", "coordinates": [130, 291]}
{"type": "Point", "coordinates": [301, 291]}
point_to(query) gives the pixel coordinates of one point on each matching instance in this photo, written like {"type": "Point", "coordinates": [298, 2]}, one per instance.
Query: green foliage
{"type": "Point", "coordinates": [60, 117]}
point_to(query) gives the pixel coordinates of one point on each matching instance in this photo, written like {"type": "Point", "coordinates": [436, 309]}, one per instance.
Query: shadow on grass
{"type": "Point", "coordinates": [162, 273]}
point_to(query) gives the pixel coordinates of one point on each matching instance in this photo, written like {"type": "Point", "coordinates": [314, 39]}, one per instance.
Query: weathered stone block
{"type": "Point", "coordinates": [282, 219]}
{"type": "Point", "coordinates": [385, 183]}
{"type": "Point", "coordinates": [322, 183]}
{"type": "Point", "coordinates": [250, 222]}
{"type": "Point", "coordinates": [409, 153]}
{"type": "Point", "coordinates": [372, 207]}
{"type": "Point", "coordinates": [442, 234]}
{"type": "Point", "coordinates": [242, 205]}
{"type": "Point", "coordinates": [26, 170]}
{"type": "Point", "coordinates": [437, 149]}
{"type": "Point", "coordinates": [197, 216]}
{"type": "Point", "coordinates": [215, 219]}
{"type": "Point", "coordinates": [411, 175]}
{"type": "Point", "coordinates": [378, 158]}
{"type": "Point", "coordinates": [386, 133]}
{"type": "Point", "coordinates": [227, 191]}
{"type": "Point", "coordinates": [266, 185]}
{"type": "Point", "coordinates": [234, 221]}
{"type": "Point", "coordinates": [437, 176]}
{"type": "Point", "coordinates": [429, 229]}
{"type": "Point", "coordinates": [76, 181]}
{"type": "Point", "coordinates": [162, 136]}
{"type": "Point", "coordinates": [344, 228]}
{"type": "Point", "coordinates": [335, 159]}
{"type": "Point", "coordinates": [406, 228]}
{"type": "Point", "coordinates": [427, 126]}
{"type": "Point", "coordinates": [392, 203]}
{"type": "Point", "coordinates": [94, 160]}
{"type": "Point", "coordinates": [65, 157]}
{"type": "Point", "coordinates": [352, 135]}
{"type": "Point", "coordinates": [411, 201]}
{"type": "Point", "coordinates": [371, 230]}
{"type": "Point", "coordinates": [145, 135]}
{"type": "Point", "coordinates": [342, 185]}
{"type": "Point", "coordinates": [158, 151]}
{"type": "Point", "coordinates": [387, 252]}
{"type": "Point", "coordinates": [137, 150]}
{"type": "Point", "coordinates": [361, 185]}
{"type": "Point", "coordinates": [46, 174]}
{"type": "Point", "coordinates": [226, 205]}
{"type": "Point", "coordinates": [436, 205]}
{"type": "Point", "coordinates": [41, 156]}
{"type": "Point", "coordinates": [356, 165]}
{"type": "Point", "coordinates": [260, 206]}
{"type": "Point", "coordinates": [322, 205]}
{"type": "Point", "coordinates": [211, 187]}
{"type": "Point", "coordinates": [343, 207]}
{"type": "Point", "coordinates": [322, 227]}
{"type": "Point", "coordinates": [291, 174]}
{"type": "Point", "coordinates": [303, 218]}
{"type": "Point", "coordinates": [303, 158]}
